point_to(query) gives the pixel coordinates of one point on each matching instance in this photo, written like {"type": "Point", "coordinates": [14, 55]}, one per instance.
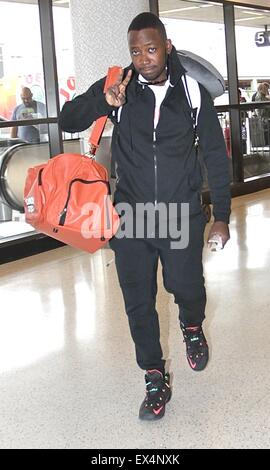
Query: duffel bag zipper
{"type": "Point", "coordinates": [63, 213]}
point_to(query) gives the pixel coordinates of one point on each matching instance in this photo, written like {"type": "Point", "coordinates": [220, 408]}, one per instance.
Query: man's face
{"type": "Point", "coordinates": [27, 98]}
{"type": "Point", "coordinates": [149, 50]}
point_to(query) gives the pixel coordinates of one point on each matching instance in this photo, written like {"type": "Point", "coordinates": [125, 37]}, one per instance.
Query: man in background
{"type": "Point", "coordinates": [264, 112]}
{"type": "Point", "coordinates": [262, 87]}
{"type": "Point", "coordinates": [29, 109]}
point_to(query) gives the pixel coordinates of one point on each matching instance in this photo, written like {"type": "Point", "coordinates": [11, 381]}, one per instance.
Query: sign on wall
{"type": "Point", "coordinates": [262, 38]}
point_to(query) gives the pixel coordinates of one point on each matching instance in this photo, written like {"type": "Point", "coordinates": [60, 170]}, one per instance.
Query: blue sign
{"type": "Point", "coordinates": [262, 38]}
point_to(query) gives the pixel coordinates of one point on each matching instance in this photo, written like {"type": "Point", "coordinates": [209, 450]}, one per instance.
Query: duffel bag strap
{"type": "Point", "coordinates": [94, 138]}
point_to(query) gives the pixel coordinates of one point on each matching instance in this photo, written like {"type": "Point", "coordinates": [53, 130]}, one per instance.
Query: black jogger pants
{"type": "Point", "coordinates": [137, 263]}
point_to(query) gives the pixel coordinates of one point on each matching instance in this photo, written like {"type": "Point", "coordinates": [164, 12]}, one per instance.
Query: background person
{"type": "Point", "coordinates": [262, 87]}
{"type": "Point", "coordinates": [264, 112]}
{"type": "Point", "coordinates": [244, 116]}
{"type": "Point", "coordinates": [29, 109]}
{"type": "Point", "coordinates": [263, 95]}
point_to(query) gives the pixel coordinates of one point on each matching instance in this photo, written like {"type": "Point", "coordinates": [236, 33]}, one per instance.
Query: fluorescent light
{"type": "Point", "coordinates": [241, 8]}
{"type": "Point", "coordinates": [248, 19]}
{"type": "Point", "coordinates": [184, 9]}
{"type": "Point", "coordinates": [252, 13]}
{"type": "Point", "coordinates": [178, 9]}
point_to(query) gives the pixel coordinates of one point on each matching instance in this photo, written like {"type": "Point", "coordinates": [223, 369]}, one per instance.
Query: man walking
{"type": "Point", "coordinates": [155, 160]}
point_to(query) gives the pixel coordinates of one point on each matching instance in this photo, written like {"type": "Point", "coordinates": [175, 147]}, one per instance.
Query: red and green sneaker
{"type": "Point", "coordinates": [158, 393]}
{"type": "Point", "coordinates": [196, 346]}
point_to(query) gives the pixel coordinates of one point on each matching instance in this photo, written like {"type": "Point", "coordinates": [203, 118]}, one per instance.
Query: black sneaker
{"type": "Point", "coordinates": [158, 393]}
{"type": "Point", "coordinates": [197, 347]}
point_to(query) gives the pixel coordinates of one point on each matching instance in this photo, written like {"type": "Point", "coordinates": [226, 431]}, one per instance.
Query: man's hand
{"type": "Point", "coordinates": [116, 94]}
{"type": "Point", "coordinates": [221, 229]}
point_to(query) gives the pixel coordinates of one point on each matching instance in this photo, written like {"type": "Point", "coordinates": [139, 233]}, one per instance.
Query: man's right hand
{"type": "Point", "coordinates": [116, 94]}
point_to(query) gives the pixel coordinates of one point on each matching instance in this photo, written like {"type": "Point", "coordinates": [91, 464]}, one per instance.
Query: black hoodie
{"type": "Point", "coordinates": [168, 169]}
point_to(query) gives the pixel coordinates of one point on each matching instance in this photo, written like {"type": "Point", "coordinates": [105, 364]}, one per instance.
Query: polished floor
{"type": "Point", "coordinates": [68, 377]}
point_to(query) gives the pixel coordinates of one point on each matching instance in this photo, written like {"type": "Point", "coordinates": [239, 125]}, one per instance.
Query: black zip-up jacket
{"type": "Point", "coordinates": [168, 169]}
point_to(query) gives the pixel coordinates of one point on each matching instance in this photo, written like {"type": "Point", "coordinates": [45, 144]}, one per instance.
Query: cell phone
{"type": "Point", "coordinates": [215, 242]}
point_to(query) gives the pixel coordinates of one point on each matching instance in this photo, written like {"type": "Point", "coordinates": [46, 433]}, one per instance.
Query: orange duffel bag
{"type": "Point", "coordinates": [68, 198]}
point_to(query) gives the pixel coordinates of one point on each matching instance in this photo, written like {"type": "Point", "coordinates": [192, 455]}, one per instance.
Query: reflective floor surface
{"type": "Point", "coordinates": [68, 377]}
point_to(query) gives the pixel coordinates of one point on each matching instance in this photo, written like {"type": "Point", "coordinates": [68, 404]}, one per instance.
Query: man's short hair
{"type": "Point", "coordinates": [147, 20]}
{"type": "Point", "coordinates": [263, 88]}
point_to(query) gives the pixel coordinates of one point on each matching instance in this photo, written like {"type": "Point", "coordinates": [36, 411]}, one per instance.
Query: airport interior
{"type": "Point", "coordinates": [68, 372]}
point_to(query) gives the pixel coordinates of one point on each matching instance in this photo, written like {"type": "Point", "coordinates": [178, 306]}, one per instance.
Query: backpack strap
{"type": "Point", "coordinates": [193, 95]}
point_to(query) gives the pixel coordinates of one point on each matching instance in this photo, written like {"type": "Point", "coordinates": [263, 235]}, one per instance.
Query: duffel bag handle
{"type": "Point", "coordinates": [112, 76]}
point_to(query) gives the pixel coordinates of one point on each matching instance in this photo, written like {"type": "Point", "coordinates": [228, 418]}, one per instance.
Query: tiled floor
{"type": "Point", "coordinates": [68, 377]}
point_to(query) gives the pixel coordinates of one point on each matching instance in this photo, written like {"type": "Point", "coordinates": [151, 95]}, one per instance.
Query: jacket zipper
{"type": "Point", "coordinates": [63, 213]}
{"type": "Point", "coordinates": [155, 166]}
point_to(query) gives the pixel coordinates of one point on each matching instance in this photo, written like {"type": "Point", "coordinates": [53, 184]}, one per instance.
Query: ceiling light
{"type": "Point", "coordinates": [178, 9]}
{"type": "Point", "coordinates": [252, 13]}
{"type": "Point", "coordinates": [241, 8]}
{"type": "Point", "coordinates": [248, 19]}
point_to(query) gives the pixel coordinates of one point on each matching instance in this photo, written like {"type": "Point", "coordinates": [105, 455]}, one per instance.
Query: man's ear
{"type": "Point", "coordinates": [168, 46]}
